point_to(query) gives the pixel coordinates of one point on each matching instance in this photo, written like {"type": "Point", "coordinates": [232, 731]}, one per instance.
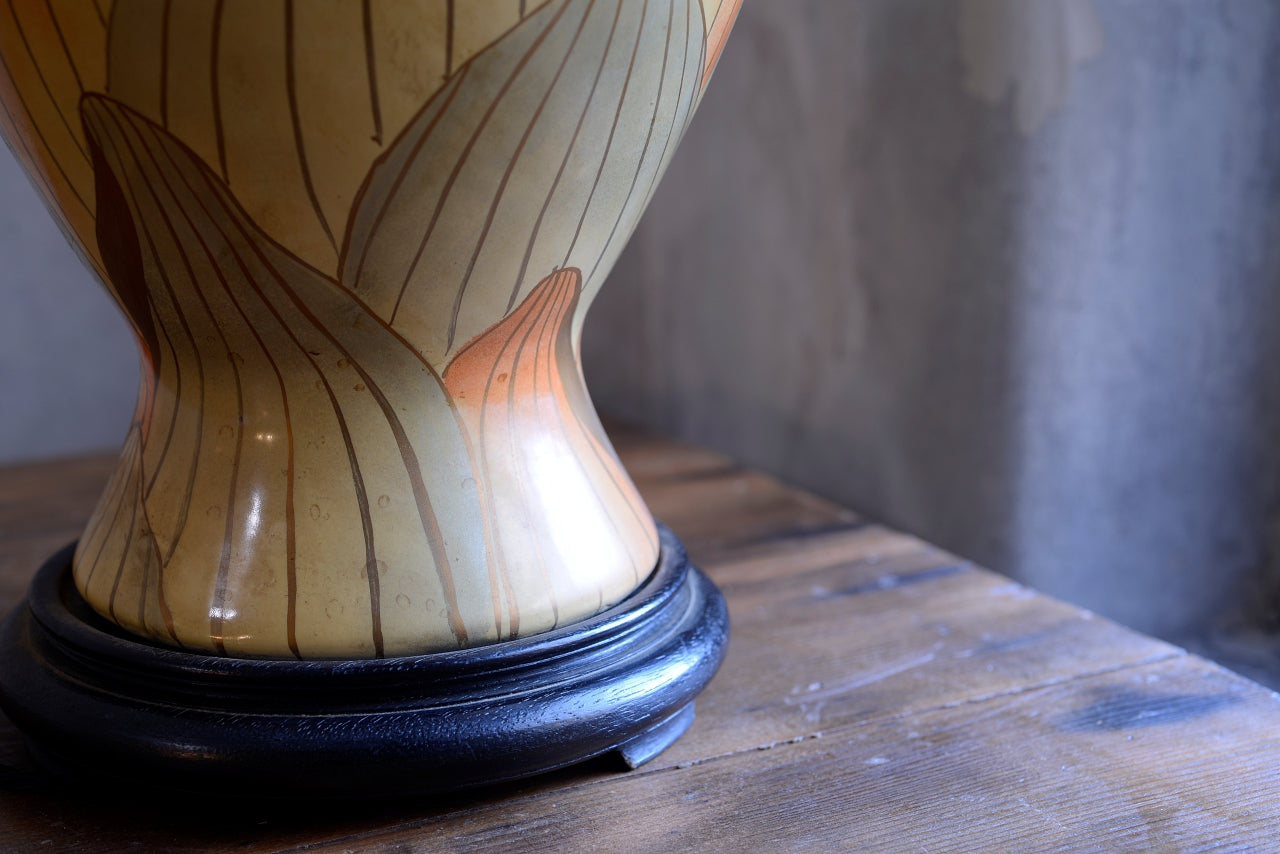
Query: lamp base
{"type": "Point", "coordinates": [91, 699]}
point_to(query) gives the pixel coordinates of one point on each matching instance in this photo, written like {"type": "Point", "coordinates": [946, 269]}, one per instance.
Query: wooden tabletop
{"type": "Point", "coordinates": [879, 694]}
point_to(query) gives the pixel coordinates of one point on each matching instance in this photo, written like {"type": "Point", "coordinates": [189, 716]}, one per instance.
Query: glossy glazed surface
{"type": "Point", "coordinates": [356, 241]}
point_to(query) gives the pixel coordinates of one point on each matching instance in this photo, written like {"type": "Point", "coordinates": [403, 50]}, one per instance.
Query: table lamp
{"type": "Point", "coordinates": [366, 534]}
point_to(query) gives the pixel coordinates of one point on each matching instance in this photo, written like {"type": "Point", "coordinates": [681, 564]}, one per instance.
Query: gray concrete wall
{"type": "Point", "coordinates": [1001, 273]}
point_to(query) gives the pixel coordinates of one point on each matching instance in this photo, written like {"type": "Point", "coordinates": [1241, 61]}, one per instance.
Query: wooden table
{"type": "Point", "coordinates": [879, 694]}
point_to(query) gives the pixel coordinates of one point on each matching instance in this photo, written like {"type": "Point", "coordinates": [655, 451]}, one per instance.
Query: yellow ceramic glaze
{"type": "Point", "coordinates": [356, 241]}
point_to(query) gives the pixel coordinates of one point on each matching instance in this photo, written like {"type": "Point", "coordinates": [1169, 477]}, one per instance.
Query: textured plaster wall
{"type": "Point", "coordinates": [68, 366]}
{"type": "Point", "coordinates": [1002, 273]}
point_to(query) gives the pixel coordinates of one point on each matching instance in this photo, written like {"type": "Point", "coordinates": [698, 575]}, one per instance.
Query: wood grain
{"type": "Point", "coordinates": [879, 694]}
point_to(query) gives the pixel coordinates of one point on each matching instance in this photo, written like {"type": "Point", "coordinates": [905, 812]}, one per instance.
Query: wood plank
{"type": "Point", "coordinates": [878, 693]}
{"type": "Point", "coordinates": [1101, 763]}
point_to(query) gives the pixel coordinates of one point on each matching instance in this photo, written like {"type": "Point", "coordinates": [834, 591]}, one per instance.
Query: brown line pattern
{"type": "Point", "coordinates": [361, 497]}
{"type": "Point", "coordinates": [57, 28]}
{"type": "Point", "coordinates": [462, 160]}
{"type": "Point", "coordinates": [146, 573]}
{"type": "Point", "coordinates": [491, 541]}
{"type": "Point", "coordinates": [185, 506]}
{"type": "Point", "coordinates": [610, 473]}
{"type": "Point", "coordinates": [40, 136]}
{"type": "Point", "coordinates": [150, 369]}
{"type": "Point", "coordinates": [35, 63]}
{"type": "Point", "coordinates": [569, 289]}
{"type": "Point", "coordinates": [435, 375]}
{"type": "Point", "coordinates": [573, 142]}
{"type": "Point", "coordinates": [166, 616]}
{"type": "Point", "coordinates": [457, 169]}
{"type": "Point", "coordinates": [291, 85]}
{"type": "Point", "coordinates": [500, 587]}
{"type": "Point", "coordinates": [489, 505]}
{"type": "Point", "coordinates": [141, 505]}
{"type": "Point", "coordinates": [694, 98]}
{"type": "Point", "coordinates": [97, 7]}
{"type": "Point", "coordinates": [498, 574]}
{"type": "Point", "coordinates": [146, 492]}
{"type": "Point", "coordinates": [622, 99]}
{"type": "Point", "coordinates": [371, 69]}
{"type": "Point", "coordinates": [413, 468]}
{"type": "Point", "coordinates": [214, 49]}
{"type": "Point", "coordinates": [290, 520]}
{"type": "Point", "coordinates": [366, 522]}
{"type": "Point", "coordinates": [244, 244]}
{"type": "Point", "coordinates": [533, 317]}
{"type": "Point", "coordinates": [357, 477]}
{"type": "Point", "coordinates": [566, 307]}
{"type": "Point", "coordinates": [431, 528]}
{"type": "Point", "coordinates": [31, 167]}
{"type": "Point", "coordinates": [218, 606]}
{"type": "Point", "coordinates": [177, 409]}
{"type": "Point", "coordinates": [679, 123]}
{"type": "Point", "coordinates": [409, 456]}
{"type": "Point", "coordinates": [537, 323]}
{"type": "Point", "coordinates": [644, 151]}
{"type": "Point", "coordinates": [430, 525]}
{"type": "Point", "coordinates": [351, 278]}
{"type": "Point", "coordinates": [395, 186]}
{"type": "Point", "coordinates": [560, 173]}
{"type": "Point", "coordinates": [217, 611]}
{"type": "Point", "coordinates": [511, 165]}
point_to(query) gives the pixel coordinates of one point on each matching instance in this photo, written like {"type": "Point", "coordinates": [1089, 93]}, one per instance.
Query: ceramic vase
{"type": "Point", "coordinates": [356, 242]}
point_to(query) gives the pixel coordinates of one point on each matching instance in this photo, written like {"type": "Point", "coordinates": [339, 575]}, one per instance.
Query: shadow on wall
{"type": "Point", "coordinates": [1002, 274]}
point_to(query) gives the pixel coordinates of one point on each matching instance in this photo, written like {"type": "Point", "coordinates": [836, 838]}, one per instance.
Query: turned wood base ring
{"type": "Point", "coordinates": [90, 699]}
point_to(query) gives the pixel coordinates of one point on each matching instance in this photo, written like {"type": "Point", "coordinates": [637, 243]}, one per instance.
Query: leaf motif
{"type": "Point", "coordinates": [519, 379]}
{"type": "Point", "coordinates": [289, 101]}
{"type": "Point", "coordinates": [295, 423]}
{"type": "Point", "coordinates": [297, 393]}
{"type": "Point", "coordinates": [49, 54]}
{"type": "Point", "coordinates": [540, 154]}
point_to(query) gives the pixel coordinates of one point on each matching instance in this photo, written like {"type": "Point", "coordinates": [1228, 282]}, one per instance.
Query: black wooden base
{"type": "Point", "coordinates": [92, 700]}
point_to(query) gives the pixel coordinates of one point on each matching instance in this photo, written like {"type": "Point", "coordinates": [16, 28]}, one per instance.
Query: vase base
{"type": "Point", "coordinates": [93, 701]}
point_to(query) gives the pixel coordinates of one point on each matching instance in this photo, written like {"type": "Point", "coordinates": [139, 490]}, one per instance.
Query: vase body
{"type": "Point", "coordinates": [356, 242]}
